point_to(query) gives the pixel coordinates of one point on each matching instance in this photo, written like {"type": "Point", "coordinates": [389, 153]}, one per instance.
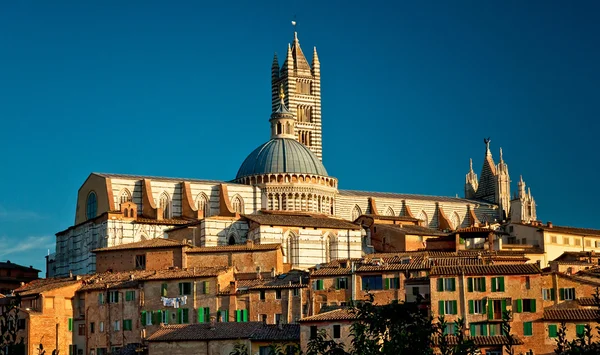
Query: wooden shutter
{"type": "Point", "coordinates": [532, 305]}
{"type": "Point", "coordinates": [501, 284]}
{"type": "Point", "coordinates": [179, 316]}
{"type": "Point", "coordinates": [519, 306]}
{"type": "Point", "coordinates": [494, 284]}
{"type": "Point", "coordinates": [441, 308]}
{"type": "Point", "coordinates": [143, 318]}
{"type": "Point", "coordinates": [453, 284]}
{"type": "Point", "coordinates": [472, 329]}
{"type": "Point", "coordinates": [483, 288]}
{"type": "Point", "coordinates": [579, 329]}
{"type": "Point", "coordinates": [201, 315]}
{"type": "Point", "coordinates": [245, 315]}
{"type": "Point", "coordinates": [503, 307]}
{"type": "Point", "coordinates": [440, 284]}
{"type": "Point", "coordinates": [552, 294]}
{"type": "Point", "coordinates": [70, 324]}
{"type": "Point", "coordinates": [454, 307]}
{"type": "Point", "coordinates": [471, 307]}
{"type": "Point", "coordinates": [470, 284]}
{"type": "Point", "coordinates": [490, 310]}
{"type": "Point", "coordinates": [484, 329]}
{"type": "Point", "coordinates": [387, 284]}
{"type": "Point", "coordinates": [561, 292]}
{"type": "Point", "coordinates": [552, 331]}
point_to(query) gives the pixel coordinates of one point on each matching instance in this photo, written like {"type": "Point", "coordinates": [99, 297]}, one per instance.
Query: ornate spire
{"type": "Point", "coordinates": [501, 160]}
{"type": "Point", "coordinates": [282, 120]}
{"type": "Point", "coordinates": [471, 165]}
{"type": "Point", "coordinates": [275, 67]}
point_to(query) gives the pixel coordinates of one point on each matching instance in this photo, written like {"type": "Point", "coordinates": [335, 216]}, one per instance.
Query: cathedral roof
{"type": "Point", "coordinates": [281, 155]}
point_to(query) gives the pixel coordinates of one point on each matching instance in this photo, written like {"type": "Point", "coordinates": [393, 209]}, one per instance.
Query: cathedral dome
{"type": "Point", "coordinates": [281, 155]}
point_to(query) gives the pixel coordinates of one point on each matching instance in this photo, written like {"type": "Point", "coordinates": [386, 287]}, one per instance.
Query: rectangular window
{"type": "Point", "coordinates": [101, 351]}
{"type": "Point", "coordinates": [566, 240]}
{"type": "Point", "coordinates": [446, 284]}
{"type": "Point", "coordinates": [580, 329]}
{"type": "Point", "coordinates": [476, 284]}
{"type": "Point", "coordinates": [81, 329]}
{"type": "Point", "coordinates": [567, 294]}
{"type": "Point", "coordinates": [447, 307]}
{"type": "Point", "coordinates": [113, 297]}
{"type": "Point", "coordinates": [597, 244]}
{"type": "Point", "coordinates": [477, 306]}
{"type": "Point", "coordinates": [295, 292]}
{"type": "Point", "coordinates": [496, 309]}
{"type": "Point", "coordinates": [129, 295]}
{"type": "Point", "coordinates": [337, 331]}
{"type": "Point", "coordinates": [450, 329]}
{"type": "Point", "coordinates": [341, 283]}
{"type": "Point", "coordinates": [527, 329]}
{"type": "Point", "coordinates": [241, 315]}
{"type": "Point", "coordinates": [224, 315]}
{"type": "Point", "coordinates": [588, 243]}
{"type": "Point", "coordinates": [203, 315]}
{"type": "Point", "coordinates": [92, 327]}
{"type": "Point", "coordinates": [498, 284]}
{"type": "Point", "coordinates": [264, 350]}
{"type": "Point", "coordinates": [392, 283]}
{"type": "Point", "coordinates": [183, 316]}
{"type": "Point", "coordinates": [116, 325]}
{"type": "Point", "coordinates": [127, 324]}
{"type": "Point", "coordinates": [527, 282]}
{"type": "Point", "coordinates": [318, 285]}
{"type": "Point", "coordinates": [140, 262]}
{"type": "Point", "coordinates": [478, 329]}
{"type": "Point", "coordinates": [101, 327]}
{"type": "Point", "coordinates": [146, 318]}
{"type": "Point", "coordinates": [577, 242]}
{"type": "Point", "coordinates": [164, 315]}
{"type": "Point", "coordinates": [495, 329]}
{"type": "Point", "coordinates": [548, 294]}
{"type": "Point", "coordinates": [262, 295]}
{"type": "Point", "coordinates": [552, 331]}
{"type": "Point", "coordinates": [553, 239]}
{"type": "Point", "coordinates": [185, 288]}
{"type": "Point", "coordinates": [205, 287]}
{"type": "Point", "coordinates": [101, 298]}
{"type": "Point", "coordinates": [163, 290]}
{"type": "Point", "coordinates": [278, 317]}
{"type": "Point", "coordinates": [277, 294]}
{"type": "Point", "coordinates": [262, 318]}
{"type": "Point", "coordinates": [374, 282]}
{"type": "Point", "coordinates": [313, 331]}
{"type": "Point", "coordinates": [415, 291]}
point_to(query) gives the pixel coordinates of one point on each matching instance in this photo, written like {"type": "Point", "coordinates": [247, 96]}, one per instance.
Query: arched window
{"type": "Point", "coordinates": [237, 204]}
{"type": "Point", "coordinates": [278, 128]}
{"type": "Point", "coordinates": [91, 208]}
{"type": "Point", "coordinates": [124, 196]}
{"type": "Point", "coordinates": [165, 204]}
{"type": "Point", "coordinates": [390, 212]}
{"type": "Point", "coordinates": [423, 217]}
{"type": "Point", "coordinates": [126, 213]}
{"type": "Point", "coordinates": [356, 212]}
{"type": "Point", "coordinates": [202, 205]}
{"type": "Point", "coordinates": [455, 220]}
{"type": "Point", "coordinates": [231, 240]}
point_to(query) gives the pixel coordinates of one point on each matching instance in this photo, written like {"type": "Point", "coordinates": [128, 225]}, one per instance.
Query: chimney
{"type": "Point", "coordinates": [273, 272]}
{"type": "Point", "coordinates": [258, 275]}
{"type": "Point", "coordinates": [549, 224]}
{"type": "Point", "coordinates": [213, 320]}
{"type": "Point", "coordinates": [250, 243]}
{"type": "Point", "coordinates": [131, 277]}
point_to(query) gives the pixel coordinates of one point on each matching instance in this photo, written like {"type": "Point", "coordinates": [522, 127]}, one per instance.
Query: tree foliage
{"type": "Point", "coordinates": [10, 342]}
{"type": "Point", "coordinates": [584, 344]}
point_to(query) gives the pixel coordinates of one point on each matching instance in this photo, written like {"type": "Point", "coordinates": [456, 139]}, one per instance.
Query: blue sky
{"type": "Point", "coordinates": [183, 89]}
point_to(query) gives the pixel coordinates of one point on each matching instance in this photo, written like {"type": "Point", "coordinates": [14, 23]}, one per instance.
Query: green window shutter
{"type": "Point", "coordinates": [158, 315]}
{"type": "Point", "coordinates": [484, 329]}
{"type": "Point", "coordinates": [245, 315]}
{"type": "Point", "coordinates": [207, 314]}
{"type": "Point", "coordinates": [579, 329]}
{"type": "Point", "coordinates": [166, 317]}
{"type": "Point", "coordinates": [179, 316]}
{"type": "Point", "coordinates": [503, 307]}
{"type": "Point", "coordinates": [552, 331]}
{"type": "Point", "coordinates": [440, 284]}
{"type": "Point", "coordinates": [561, 293]}
{"type": "Point", "coordinates": [387, 284]}
{"type": "Point", "coordinates": [201, 315]}
{"type": "Point", "coordinates": [472, 329]}
{"type": "Point", "coordinates": [492, 331]}
{"type": "Point", "coordinates": [501, 284]}
{"type": "Point", "coordinates": [527, 328]}
{"type": "Point", "coordinates": [337, 283]}
{"type": "Point", "coordinates": [471, 307]}
{"type": "Point", "coordinates": [186, 318]}
{"type": "Point", "coordinates": [397, 282]}
{"type": "Point", "coordinates": [483, 287]}
{"type": "Point", "coordinates": [225, 315]}
{"type": "Point", "coordinates": [552, 294]}
{"type": "Point", "coordinates": [533, 305]}
{"type": "Point", "coordinates": [470, 284]}
{"type": "Point", "coordinates": [206, 286]}
{"type": "Point", "coordinates": [455, 307]}
{"type": "Point", "coordinates": [494, 284]}
{"type": "Point", "coordinates": [180, 288]}
{"type": "Point", "coordinates": [143, 318]}
{"type": "Point", "coordinates": [574, 295]}
{"type": "Point", "coordinates": [320, 285]}
{"type": "Point", "coordinates": [163, 290]}
{"type": "Point", "coordinates": [441, 308]}
{"type": "Point", "coordinates": [453, 284]}
{"type": "Point", "coordinates": [484, 301]}
{"type": "Point", "coordinates": [519, 307]}
{"type": "Point", "coordinates": [70, 324]}
{"type": "Point", "coordinates": [490, 310]}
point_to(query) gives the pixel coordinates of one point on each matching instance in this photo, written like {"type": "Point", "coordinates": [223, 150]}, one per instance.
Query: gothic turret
{"type": "Point", "coordinates": [522, 207]}
{"type": "Point", "coordinates": [471, 182]}
{"type": "Point", "coordinates": [503, 188]}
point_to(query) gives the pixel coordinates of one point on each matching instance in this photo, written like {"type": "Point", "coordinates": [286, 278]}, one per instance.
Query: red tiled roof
{"type": "Point", "coordinates": [498, 269]}
{"type": "Point", "coordinates": [587, 301]}
{"type": "Point", "coordinates": [227, 330]}
{"type": "Point", "coordinates": [144, 244]}
{"type": "Point", "coordinates": [168, 274]}
{"type": "Point", "coordinates": [573, 314]}
{"type": "Point", "coordinates": [481, 340]}
{"type": "Point", "coordinates": [413, 229]}
{"type": "Point", "coordinates": [43, 285]}
{"type": "Point", "coordinates": [335, 315]}
{"type": "Point", "coordinates": [301, 221]}
{"type": "Point", "coordinates": [330, 271]}
{"type": "Point", "coordinates": [571, 230]}
{"type": "Point", "coordinates": [292, 279]}
{"type": "Point", "coordinates": [474, 230]}
{"type": "Point", "coordinates": [235, 248]}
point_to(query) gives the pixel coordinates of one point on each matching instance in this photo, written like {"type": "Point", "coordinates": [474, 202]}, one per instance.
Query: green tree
{"type": "Point", "coordinates": [10, 343]}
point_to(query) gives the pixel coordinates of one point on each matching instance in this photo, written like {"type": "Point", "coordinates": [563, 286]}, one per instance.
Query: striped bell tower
{"type": "Point", "coordinates": [301, 83]}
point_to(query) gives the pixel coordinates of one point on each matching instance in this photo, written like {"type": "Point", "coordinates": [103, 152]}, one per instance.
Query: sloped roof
{"type": "Point", "coordinates": [226, 330]}
{"type": "Point", "coordinates": [44, 285]}
{"type": "Point", "coordinates": [335, 315]}
{"type": "Point", "coordinates": [573, 314]}
{"type": "Point", "coordinates": [293, 279]}
{"type": "Point", "coordinates": [498, 269]}
{"type": "Point", "coordinates": [156, 178]}
{"type": "Point", "coordinates": [9, 265]}
{"type": "Point", "coordinates": [315, 221]}
{"type": "Point", "coordinates": [144, 244]}
{"type": "Point", "coordinates": [235, 248]}
{"type": "Point", "coordinates": [481, 340]}
{"type": "Point", "coordinates": [413, 229]}
{"type": "Point", "coordinates": [401, 196]}
{"type": "Point", "coordinates": [571, 230]}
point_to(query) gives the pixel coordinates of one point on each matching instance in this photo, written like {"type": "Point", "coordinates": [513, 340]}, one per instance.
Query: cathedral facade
{"type": "Point", "coordinates": [282, 193]}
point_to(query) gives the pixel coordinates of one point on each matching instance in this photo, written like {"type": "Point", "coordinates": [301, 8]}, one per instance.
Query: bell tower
{"type": "Point", "coordinates": [301, 84]}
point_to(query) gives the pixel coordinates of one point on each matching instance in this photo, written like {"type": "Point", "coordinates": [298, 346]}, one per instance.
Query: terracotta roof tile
{"type": "Point", "coordinates": [571, 230]}
{"type": "Point", "coordinates": [335, 315]}
{"type": "Point", "coordinates": [498, 269]}
{"type": "Point", "coordinates": [226, 330]}
{"type": "Point", "coordinates": [587, 301]}
{"type": "Point", "coordinates": [481, 340]}
{"type": "Point", "coordinates": [44, 285]}
{"type": "Point", "coordinates": [412, 229]}
{"type": "Point", "coordinates": [293, 279]}
{"type": "Point", "coordinates": [235, 248]}
{"type": "Point", "coordinates": [144, 244]}
{"type": "Point", "coordinates": [301, 221]}
{"type": "Point", "coordinates": [411, 197]}
{"type": "Point", "coordinates": [573, 314]}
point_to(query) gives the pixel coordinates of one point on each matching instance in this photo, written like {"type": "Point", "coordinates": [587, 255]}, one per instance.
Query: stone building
{"type": "Point", "coordinates": [13, 275]}
{"type": "Point", "coordinates": [285, 174]}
